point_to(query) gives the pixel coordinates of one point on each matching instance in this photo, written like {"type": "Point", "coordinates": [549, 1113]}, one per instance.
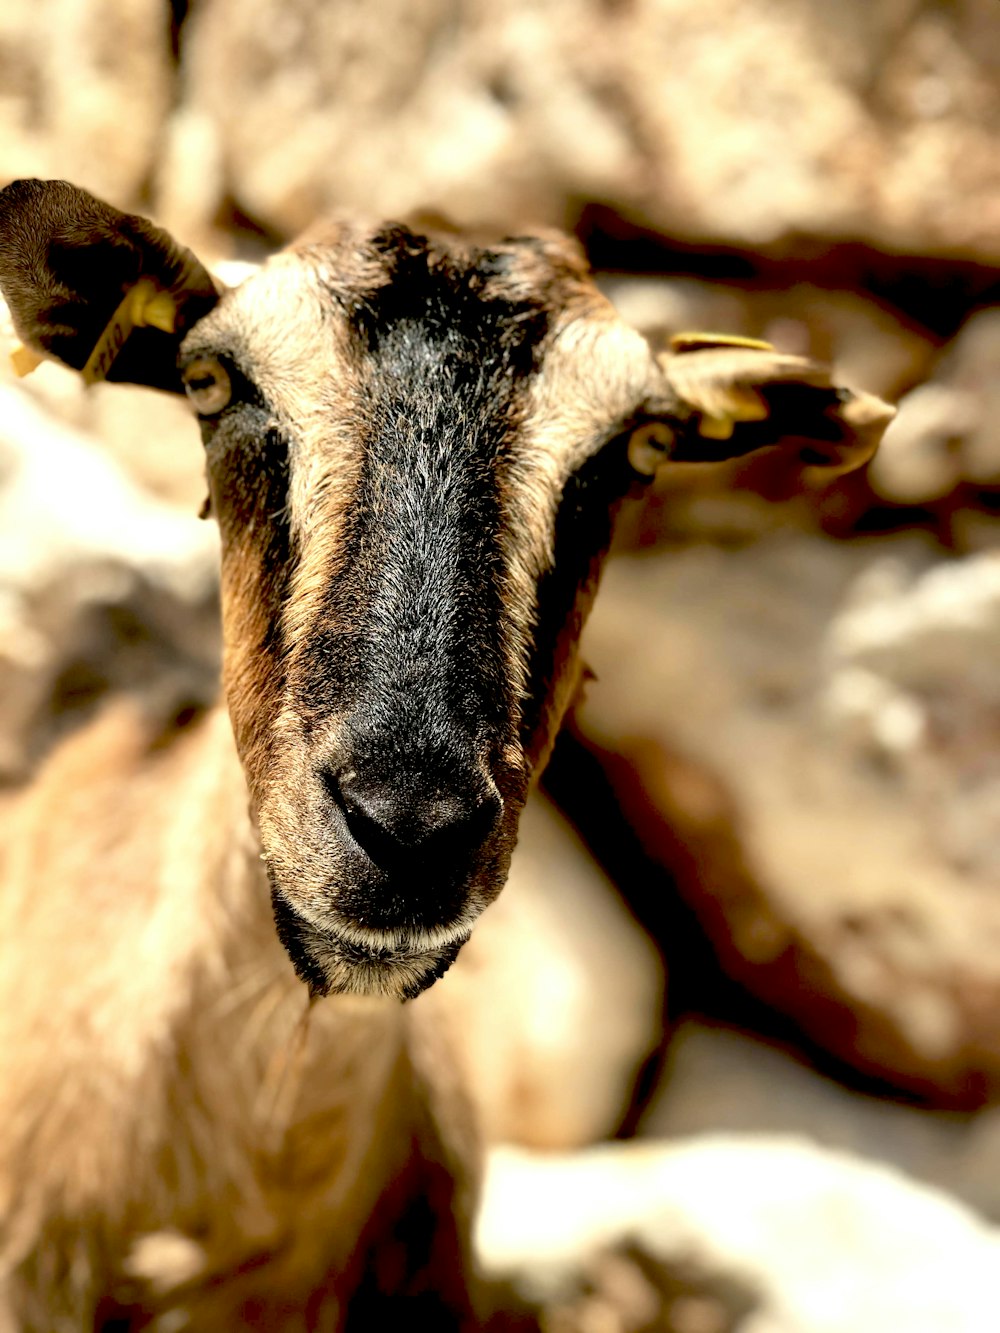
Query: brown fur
{"type": "Point", "coordinates": [212, 1143]}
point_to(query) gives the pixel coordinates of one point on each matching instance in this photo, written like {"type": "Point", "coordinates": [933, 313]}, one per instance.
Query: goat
{"type": "Point", "coordinates": [215, 1112]}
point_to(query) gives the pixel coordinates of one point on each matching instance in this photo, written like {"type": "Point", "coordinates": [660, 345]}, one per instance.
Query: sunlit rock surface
{"type": "Point", "coordinates": [822, 837]}
{"type": "Point", "coordinates": [735, 1234]}
{"type": "Point", "coordinates": [946, 431]}
{"type": "Point", "coordinates": [102, 586]}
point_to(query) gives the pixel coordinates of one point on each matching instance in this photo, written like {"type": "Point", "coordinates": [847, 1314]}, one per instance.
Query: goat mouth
{"type": "Point", "coordinates": [331, 963]}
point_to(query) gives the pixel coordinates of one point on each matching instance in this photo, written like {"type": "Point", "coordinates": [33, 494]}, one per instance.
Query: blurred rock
{"type": "Point", "coordinates": [913, 683]}
{"type": "Point", "coordinates": [769, 1235]}
{"type": "Point", "coordinates": [920, 460]}
{"type": "Point", "coordinates": [971, 369]}
{"type": "Point", "coordinates": [870, 347]}
{"type": "Point", "coordinates": [153, 438]}
{"type": "Point", "coordinates": [725, 1081]}
{"type": "Point", "coordinates": [84, 93]}
{"type": "Point", "coordinates": [101, 587]}
{"type": "Point", "coordinates": [626, 1290]}
{"type": "Point", "coordinates": [810, 119]}
{"type": "Point", "coordinates": [947, 430]}
{"type": "Point", "coordinates": [825, 888]}
{"type": "Point", "coordinates": [552, 1056]}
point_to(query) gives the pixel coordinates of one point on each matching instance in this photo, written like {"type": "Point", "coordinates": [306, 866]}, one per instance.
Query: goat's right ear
{"type": "Point", "coordinates": [718, 397]}
{"type": "Point", "coordinates": [108, 293]}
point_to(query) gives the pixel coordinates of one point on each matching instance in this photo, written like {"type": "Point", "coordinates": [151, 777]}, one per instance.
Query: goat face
{"type": "Point", "coordinates": [414, 448]}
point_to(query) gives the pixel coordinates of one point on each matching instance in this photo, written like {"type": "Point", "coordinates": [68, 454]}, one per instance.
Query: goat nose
{"type": "Point", "coordinates": [394, 823]}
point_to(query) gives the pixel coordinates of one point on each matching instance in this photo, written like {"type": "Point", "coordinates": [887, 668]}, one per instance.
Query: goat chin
{"type": "Point", "coordinates": [333, 962]}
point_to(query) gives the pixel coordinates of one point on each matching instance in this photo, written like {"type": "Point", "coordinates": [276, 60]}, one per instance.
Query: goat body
{"type": "Point", "coordinates": [208, 1142]}
{"type": "Point", "coordinates": [415, 447]}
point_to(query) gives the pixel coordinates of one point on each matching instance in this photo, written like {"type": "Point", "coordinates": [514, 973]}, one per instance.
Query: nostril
{"type": "Point", "coordinates": [396, 821]}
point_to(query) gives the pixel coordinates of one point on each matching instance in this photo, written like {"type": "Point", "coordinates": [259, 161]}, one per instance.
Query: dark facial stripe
{"type": "Point", "coordinates": [248, 469]}
{"type": "Point", "coordinates": [451, 300]}
{"type": "Point", "coordinates": [583, 526]}
{"type": "Point", "coordinates": [414, 616]}
{"type": "Point", "coordinates": [414, 610]}
{"type": "Point", "coordinates": [248, 473]}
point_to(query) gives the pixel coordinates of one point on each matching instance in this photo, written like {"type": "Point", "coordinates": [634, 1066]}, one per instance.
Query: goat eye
{"type": "Point", "coordinates": [648, 447]}
{"type": "Point", "coordinates": [208, 386]}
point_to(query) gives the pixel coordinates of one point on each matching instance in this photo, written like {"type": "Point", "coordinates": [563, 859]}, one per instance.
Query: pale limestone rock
{"type": "Point", "coordinates": [726, 1081]}
{"type": "Point", "coordinates": [100, 585]}
{"type": "Point", "coordinates": [84, 92]}
{"type": "Point", "coordinates": [852, 887]}
{"type": "Point", "coordinates": [947, 430]}
{"type": "Point", "coordinates": [819, 1242]}
{"type": "Point", "coordinates": [807, 119]}
{"type": "Point", "coordinates": [919, 460]}
{"type": "Point", "coordinates": [926, 648]}
{"type": "Point", "coordinates": [747, 124]}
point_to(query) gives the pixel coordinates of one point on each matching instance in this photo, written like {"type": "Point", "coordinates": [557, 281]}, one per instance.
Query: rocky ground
{"type": "Point", "coordinates": [788, 761]}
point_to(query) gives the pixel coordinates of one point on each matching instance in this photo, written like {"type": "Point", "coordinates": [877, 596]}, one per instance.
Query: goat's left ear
{"type": "Point", "coordinates": [108, 293]}
{"type": "Point", "coordinates": [717, 397]}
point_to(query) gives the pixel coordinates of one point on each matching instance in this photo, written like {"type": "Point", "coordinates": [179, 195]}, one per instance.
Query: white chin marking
{"type": "Point", "coordinates": [334, 956]}
{"type": "Point", "coordinates": [408, 940]}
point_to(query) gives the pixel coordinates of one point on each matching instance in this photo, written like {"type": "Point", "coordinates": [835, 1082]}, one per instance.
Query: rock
{"type": "Point", "coordinates": [84, 98]}
{"type": "Point", "coordinates": [155, 441]}
{"type": "Point", "coordinates": [920, 460]}
{"type": "Point", "coordinates": [826, 889]}
{"type": "Point", "coordinates": [803, 1239]}
{"type": "Point", "coordinates": [946, 430]}
{"type": "Point", "coordinates": [912, 680]}
{"type": "Point", "coordinates": [101, 587]}
{"type": "Point", "coordinates": [812, 120]}
{"type": "Point", "coordinates": [971, 369]}
{"type": "Point", "coordinates": [725, 1081]}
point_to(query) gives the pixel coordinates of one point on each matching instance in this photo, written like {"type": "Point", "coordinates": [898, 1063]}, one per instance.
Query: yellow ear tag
{"type": "Point", "coordinates": [24, 359]}
{"type": "Point", "coordinates": [701, 342]}
{"type": "Point", "coordinates": [716, 428]}
{"type": "Point", "coordinates": [143, 305]}
{"type": "Point", "coordinates": [732, 404]}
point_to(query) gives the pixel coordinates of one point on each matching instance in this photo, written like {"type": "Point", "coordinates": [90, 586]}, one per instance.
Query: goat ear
{"type": "Point", "coordinates": [108, 293]}
{"type": "Point", "coordinates": [719, 397]}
